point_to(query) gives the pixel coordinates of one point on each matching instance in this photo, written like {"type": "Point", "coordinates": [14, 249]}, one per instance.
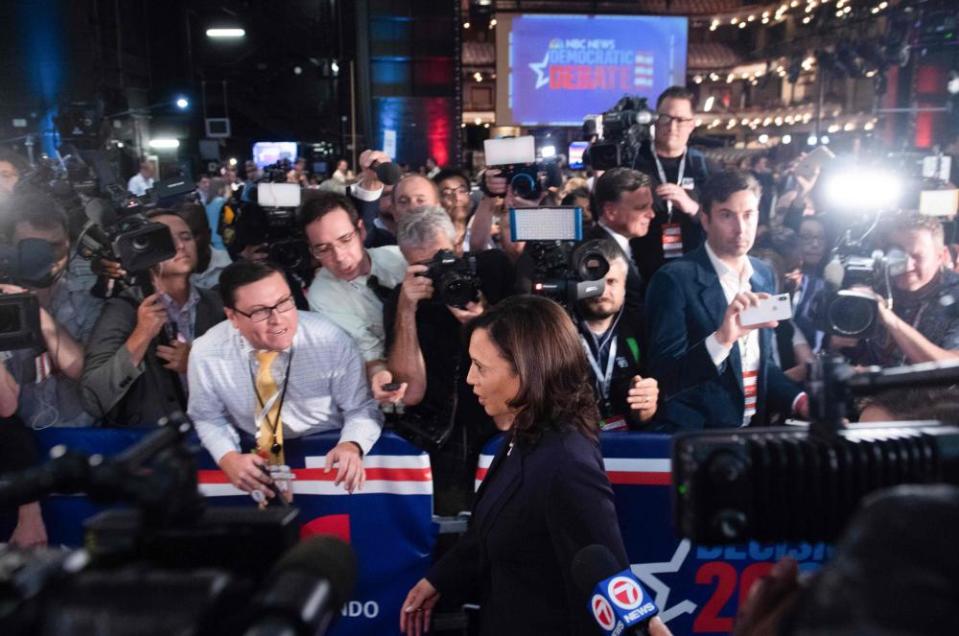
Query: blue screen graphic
{"type": "Point", "coordinates": [564, 67]}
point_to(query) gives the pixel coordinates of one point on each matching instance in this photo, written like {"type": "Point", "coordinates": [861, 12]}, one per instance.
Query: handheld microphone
{"type": "Point", "coordinates": [618, 602]}
{"type": "Point", "coordinates": [387, 172]}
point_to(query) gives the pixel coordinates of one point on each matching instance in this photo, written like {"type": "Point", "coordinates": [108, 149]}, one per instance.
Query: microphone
{"type": "Point", "coordinates": [387, 172]}
{"type": "Point", "coordinates": [305, 589]}
{"type": "Point", "coordinates": [618, 602]}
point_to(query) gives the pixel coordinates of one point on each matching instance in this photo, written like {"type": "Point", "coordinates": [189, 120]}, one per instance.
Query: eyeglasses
{"type": "Point", "coordinates": [448, 192]}
{"type": "Point", "coordinates": [262, 313]}
{"type": "Point", "coordinates": [667, 120]}
{"type": "Point", "coordinates": [325, 249]}
{"type": "Point", "coordinates": [807, 238]}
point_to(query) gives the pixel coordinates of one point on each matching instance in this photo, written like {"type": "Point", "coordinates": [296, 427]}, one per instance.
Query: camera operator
{"type": "Point", "coordinates": [678, 172]}
{"type": "Point", "coordinates": [142, 180]}
{"type": "Point", "coordinates": [136, 360]}
{"type": "Point", "coordinates": [353, 282]}
{"type": "Point", "coordinates": [426, 351]}
{"type": "Point", "coordinates": [923, 323]}
{"type": "Point", "coordinates": [624, 208]}
{"type": "Point", "coordinates": [613, 337]}
{"type": "Point", "coordinates": [716, 372]}
{"type": "Point", "coordinates": [247, 363]}
{"type": "Point", "coordinates": [48, 381]}
{"type": "Point", "coordinates": [372, 200]}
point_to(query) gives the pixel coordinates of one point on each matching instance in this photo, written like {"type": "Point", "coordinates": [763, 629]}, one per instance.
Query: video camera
{"type": "Point", "coordinates": [28, 263]}
{"type": "Point", "coordinates": [799, 484]}
{"type": "Point", "coordinates": [169, 565]}
{"type": "Point", "coordinates": [455, 281]}
{"type": "Point", "coordinates": [278, 201]}
{"type": "Point", "coordinates": [515, 158]}
{"type": "Point", "coordinates": [615, 136]}
{"type": "Point", "coordinates": [561, 272]}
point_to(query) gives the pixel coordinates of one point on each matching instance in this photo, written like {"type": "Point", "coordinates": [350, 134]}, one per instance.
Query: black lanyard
{"type": "Point", "coordinates": [276, 447]}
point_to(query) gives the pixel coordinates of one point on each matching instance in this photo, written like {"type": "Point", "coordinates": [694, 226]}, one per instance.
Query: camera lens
{"type": "Point", "coordinates": [851, 315]}
{"type": "Point", "coordinates": [524, 186]}
{"type": "Point", "coordinates": [141, 243]}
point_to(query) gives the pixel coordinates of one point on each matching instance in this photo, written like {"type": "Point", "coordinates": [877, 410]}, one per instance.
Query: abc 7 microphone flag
{"type": "Point", "coordinates": [619, 603]}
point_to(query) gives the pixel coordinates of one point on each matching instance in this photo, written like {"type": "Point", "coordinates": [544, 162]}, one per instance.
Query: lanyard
{"type": "Point", "coordinates": [602, 380]}
{"type": "Point", "coordinates": [264, 414]}
{"type": "Point", "coordinates": [662, 177]}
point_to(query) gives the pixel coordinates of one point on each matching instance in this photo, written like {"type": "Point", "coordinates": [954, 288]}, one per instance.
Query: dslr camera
{"type": "Point", "coordinates": [615, 136]}
{"type": "Point", "coordinates": [562, 271]}
{"type": "Point", "coordinates": [455, 281]}
{"type": "Point", "coordinates": [515, 158]}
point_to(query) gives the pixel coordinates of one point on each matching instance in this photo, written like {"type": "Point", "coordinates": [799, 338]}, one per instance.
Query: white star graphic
{"type": "Point", "coordinates": [542, 75]}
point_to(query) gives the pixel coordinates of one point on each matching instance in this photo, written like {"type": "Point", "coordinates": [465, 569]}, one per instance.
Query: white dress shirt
{"type": "Point", "coordinates": [352, 304]}
{"type": "Point", "coordinates": [621, 240]}
{"type": "Point", "coordinates": [327, 387]}
{"type": "Point", "coordinates": [138, 184]}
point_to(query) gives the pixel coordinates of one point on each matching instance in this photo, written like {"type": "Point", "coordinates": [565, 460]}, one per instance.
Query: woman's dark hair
{"type": "Point", "coordinates": [240, 273]}
{"type": "Point", "coordinates": [538, 339]}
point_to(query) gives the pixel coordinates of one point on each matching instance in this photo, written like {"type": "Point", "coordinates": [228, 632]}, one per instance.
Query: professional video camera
{"type": "Point", "coordinates": [455, 281]}
{"type": "Point", "coordinates": [515, 158]}
{"type": "Point", "coordinates": [794, 483]}
{"type": "Point", "coordinates": [29, 263]}
{"type": "Point", "coordinates": [561, 272]}
{"type": "Point", "coordinates": [278, 201]}
{"type": "Point", "coordinates": [168, 566]}
{"type": "Point", "coordinates": [615, 136]}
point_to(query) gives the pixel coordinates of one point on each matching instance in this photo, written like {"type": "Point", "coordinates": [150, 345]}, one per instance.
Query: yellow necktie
{"type": "Point", "coordinates": [269, 434]}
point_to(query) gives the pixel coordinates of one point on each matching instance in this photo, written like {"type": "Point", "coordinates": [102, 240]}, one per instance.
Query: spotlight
{"type": "Point", "coordinates": [824, 140]}
{"type": "Point", "coordinates": [862, 188]}
{"type": "Point", "coordinates": [811, 140]}
{"type": "Point", "coordinates": [708, 106]}
{"type": "Point", "coordinates": [764, 138]}
{"type": "Point", "coordinates": [953, 84]}
{"type": "Point", "coordinates": [225, 34]}
{"type": "Point", "coordinates": [335, 68]}
{"type": "Point", "coordinates": [182, 103]}
{"type": "Point", "coordinates": [787, 139]}
{"type": "Point", "coordinates": [548, 152]}
{"type": "Point", "coordinates": [164, 144]}
{"type": "Point", "coordinates": [232, 161]}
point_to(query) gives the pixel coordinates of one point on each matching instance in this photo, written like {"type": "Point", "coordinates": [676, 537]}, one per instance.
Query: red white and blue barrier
{"type": "Point", "coordinates": [389, 524]}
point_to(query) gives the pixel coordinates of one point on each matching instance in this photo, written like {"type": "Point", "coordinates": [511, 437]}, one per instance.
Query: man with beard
{"type": "Point", "coordinates": [612, 335]}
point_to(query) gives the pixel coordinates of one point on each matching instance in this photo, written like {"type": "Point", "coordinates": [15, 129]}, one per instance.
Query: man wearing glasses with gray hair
{"type": "Point", "coordinates": [275, 373]}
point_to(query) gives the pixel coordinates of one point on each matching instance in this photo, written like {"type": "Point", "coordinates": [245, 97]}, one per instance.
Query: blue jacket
{"type": "Point", "coordinates": [685, 304]}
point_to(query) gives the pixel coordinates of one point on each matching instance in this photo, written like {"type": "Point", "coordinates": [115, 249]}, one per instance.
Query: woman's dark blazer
{"type": "Point", "coordinates": [535, 510]}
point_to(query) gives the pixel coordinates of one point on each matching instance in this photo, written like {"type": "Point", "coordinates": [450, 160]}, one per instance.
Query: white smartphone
{"type": "Point", "coordinates": [778, 307]}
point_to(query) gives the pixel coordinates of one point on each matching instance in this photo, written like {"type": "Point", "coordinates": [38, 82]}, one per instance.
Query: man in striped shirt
{"type": "Point", "coordinates": [717, 372]}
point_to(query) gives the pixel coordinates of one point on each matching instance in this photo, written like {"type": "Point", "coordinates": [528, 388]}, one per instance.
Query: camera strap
{"type": "Point", "coordinates": [603, 379]}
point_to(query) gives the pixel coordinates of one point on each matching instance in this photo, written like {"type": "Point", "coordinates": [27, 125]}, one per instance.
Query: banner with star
{"type": "Point", "coordinates": [553, 70]}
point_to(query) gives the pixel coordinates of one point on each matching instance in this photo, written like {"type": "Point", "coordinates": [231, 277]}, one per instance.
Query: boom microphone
{"type": "Point", "coordinates": [305, 590]}
{"type": "Point", "coordinates": [618, 602]}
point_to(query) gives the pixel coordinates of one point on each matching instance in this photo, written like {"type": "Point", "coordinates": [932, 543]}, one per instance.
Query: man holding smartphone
{"type": "Point", "coordinates": [716, 369]}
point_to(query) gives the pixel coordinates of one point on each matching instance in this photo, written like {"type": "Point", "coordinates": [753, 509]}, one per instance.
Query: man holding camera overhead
{"type": "Point", "coordinates": [423, 320]}
{"type": "Point", "coordinates": [677, 172]}
{"type": "Point", "coordinates": [353, 282]}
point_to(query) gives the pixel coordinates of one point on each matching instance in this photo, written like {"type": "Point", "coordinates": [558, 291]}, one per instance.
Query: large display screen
{"type": "Point", "coordinates": [266, 153]}
{"type": "Point", "coordinates": [553, 70]}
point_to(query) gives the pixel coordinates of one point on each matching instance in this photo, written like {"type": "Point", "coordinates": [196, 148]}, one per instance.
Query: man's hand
{"type": "Point", "coordinates": [346, 458]}
{"type": "Point", "coordinates": [415, 287]}
{"type": "Point", "coordinates": [30, 531]}
{"type": "Point", "coordinates": [679, 197]}
{"type": "Point", "coordinates": [244, 471]}
{"type": "Point", "coordinates": [768, 600]}
{"type": "Point", "coordinates": [643, 397]}
{"type": "Point", "coordinates": [380, 379]}
{"type": "Point", "coordinates": [12, 289]}
{"type": "Point", "coordinates": [369, 180]}
{"type": "Point", "coordinates": [176, 356]}
{"type": "Point", "coordinates": [151, 316]}
{"type": "Point", "coordinates": [256, 253]}
{"type": "Point", "coordinates": [106, 267]}
{"type": "Point", "coordinates": [471, 311]}
{"type": "Point", "coordinates": [495, 182]}
{"type": "Point", "coordinates": [732, 328]}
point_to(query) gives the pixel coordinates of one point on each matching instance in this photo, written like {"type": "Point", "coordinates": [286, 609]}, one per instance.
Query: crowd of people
{"type": "Point", "coordinates": [349, 326]}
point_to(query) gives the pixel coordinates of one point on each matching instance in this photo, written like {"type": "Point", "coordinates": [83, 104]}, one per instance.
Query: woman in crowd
{"type": "Point", "coordinates": [546, 495]}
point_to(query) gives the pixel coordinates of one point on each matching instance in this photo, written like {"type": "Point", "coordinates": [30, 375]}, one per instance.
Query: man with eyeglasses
{"type": "Point", "coordinates": [454, 187]}
{"type": "Point", "coordinates": [273, 373]}
{"type": "Point", "coordinates": [353, 282]}
{"type": "Point", "coordinates": [678, 173]}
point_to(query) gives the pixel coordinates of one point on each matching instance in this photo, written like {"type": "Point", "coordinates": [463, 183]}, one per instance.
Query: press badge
{"type": "Point", "coordinates": [688, 183]}
{"type": "Point", "coordinates": [614, 423]}
{"type": "Point", "coordinates": [672, 241]}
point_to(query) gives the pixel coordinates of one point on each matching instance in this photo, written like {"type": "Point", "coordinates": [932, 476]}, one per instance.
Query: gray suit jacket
{"type": "Point", "coordinates": [116, 390]}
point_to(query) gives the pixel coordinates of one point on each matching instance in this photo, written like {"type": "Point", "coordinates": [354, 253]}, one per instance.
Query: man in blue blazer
{"type": "Point", "coordinates": [715, 371]}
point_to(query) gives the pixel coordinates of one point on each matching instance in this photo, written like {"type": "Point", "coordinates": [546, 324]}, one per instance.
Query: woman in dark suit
{"type": "Point", "coordinates": [546, 495]}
